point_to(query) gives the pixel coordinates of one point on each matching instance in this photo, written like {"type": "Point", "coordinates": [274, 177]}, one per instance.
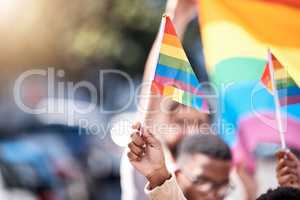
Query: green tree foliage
{"type": "Point", "coordinates": [79, 33]}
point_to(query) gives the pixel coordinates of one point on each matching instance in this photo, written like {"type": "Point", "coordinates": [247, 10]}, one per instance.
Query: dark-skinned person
{"type": "Point", "coordinates": [166, 112]}
{"type": "Point", "coordinates": [203, 166]}
{"type": "Point", "coordinates": [288, 177]}
{"type": "Point", "coordinates": [288, 169]}
{"type": "Point", "coordinates": [281, 193]}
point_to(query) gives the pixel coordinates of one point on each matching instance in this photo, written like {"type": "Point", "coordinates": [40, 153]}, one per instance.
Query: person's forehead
{"type": "Point", "coordinates": [201, 164]}
{"type": "Point", "coordinates": [188, 113]}
{"type": "Point", "coordinates": [176, 110]}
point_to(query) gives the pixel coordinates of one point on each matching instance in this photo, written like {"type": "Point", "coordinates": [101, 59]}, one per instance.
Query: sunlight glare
{"type": "Point", "coordinates": [7, 6]}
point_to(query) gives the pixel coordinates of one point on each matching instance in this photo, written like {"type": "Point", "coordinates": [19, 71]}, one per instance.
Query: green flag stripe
{"type": "Point", "coordinates": [175, 63]}
{"type": "Point", "coordinates": [284, 83]}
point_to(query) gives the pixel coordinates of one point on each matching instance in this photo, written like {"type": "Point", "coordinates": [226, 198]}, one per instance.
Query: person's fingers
{"type": "Point", "coordinates": [136, 149]}
{"type": "Point", "coordinates": [286, 170]}
{"type": "Point", "coordinates": [280, 164]}
{"type": "Point", "coordinates": [287, 179]}
{"type": "Point", "coordinates": [286, 154]}
{"type": "Point", "coordinates": [286, 163]}
{"type": "Point", "coordinates": [150, 138]}
{"type": "Point", "coordinates": [291, 156]}
{"type": "Point", "coordinates": [137, 125]}
{"type": "Point", "coordinates": [281, 154]}
{"type": "Point", "coordinates": [137, 139]}
{"type": "Point", "coordinates": [133, 157]}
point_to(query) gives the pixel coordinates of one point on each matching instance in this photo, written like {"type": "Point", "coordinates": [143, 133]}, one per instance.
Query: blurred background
{"type": "Point", "coordinates": [47, 156]}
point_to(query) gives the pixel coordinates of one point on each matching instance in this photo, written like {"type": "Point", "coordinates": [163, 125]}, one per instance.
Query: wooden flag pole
{"type": "Point", "coordinates": [277, 104]}
{"type": "Point", "coordinates": [153, 62]}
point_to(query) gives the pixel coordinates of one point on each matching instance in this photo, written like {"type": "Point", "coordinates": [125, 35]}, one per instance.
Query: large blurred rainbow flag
{"type": "Point", "coordinates": [236, 35]}
{"type": "Point", "coordinates": [174, 76]}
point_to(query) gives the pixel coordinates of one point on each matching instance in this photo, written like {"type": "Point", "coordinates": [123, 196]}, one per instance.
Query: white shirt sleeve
{"type": "Point", "coordinates": [168, 190]}
{"type": "Point", "coordinates": [132, 183]}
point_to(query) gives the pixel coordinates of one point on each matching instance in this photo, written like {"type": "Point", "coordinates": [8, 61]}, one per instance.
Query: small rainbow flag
{"type": "Point", "coordinates": [287, 89]}
{"type": "Point", "coordinates": [174, 77]}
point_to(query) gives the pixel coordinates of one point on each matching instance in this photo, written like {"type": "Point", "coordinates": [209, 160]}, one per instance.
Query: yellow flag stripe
{"type": "Point", "coordinates": [173, 52]}
{"type": "Point", "coordinates": [247, 28]}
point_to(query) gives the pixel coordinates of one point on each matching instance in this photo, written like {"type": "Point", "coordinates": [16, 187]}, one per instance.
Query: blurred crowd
{"type": "Point", "coordinates": [60, 154]}
{"type": "Point", "coordinates": [51, 156]}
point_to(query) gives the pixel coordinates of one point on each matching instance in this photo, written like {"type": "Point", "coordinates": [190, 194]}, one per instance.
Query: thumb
{"type": "Point", "coordinates": [150, 138]}
{"type": "Point", "coordinates": [280, 154]}
{"type": "Point", "coordinates": [292, 156]}
{"type": "Point", "coordinates": [136, 125]}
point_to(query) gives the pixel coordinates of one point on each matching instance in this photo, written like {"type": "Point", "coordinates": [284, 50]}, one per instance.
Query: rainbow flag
{"type": "Point", "coordinates": [174, 76]}
{"type": "Point", "coordinates": [236, 35]}
{"type": "Point", "coordinates": [287, 89]}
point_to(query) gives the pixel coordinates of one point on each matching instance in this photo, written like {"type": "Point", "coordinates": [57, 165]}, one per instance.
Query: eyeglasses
{"type": "Point", "coordinates": [206, 185]}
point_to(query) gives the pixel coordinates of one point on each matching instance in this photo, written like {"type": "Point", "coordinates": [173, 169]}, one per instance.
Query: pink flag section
{"type": "Point", "coordinates": [262, 132]}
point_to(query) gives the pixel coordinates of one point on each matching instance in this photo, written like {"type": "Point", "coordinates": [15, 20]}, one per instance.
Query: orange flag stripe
{"type": "Point", "coordinates": [171, 40]}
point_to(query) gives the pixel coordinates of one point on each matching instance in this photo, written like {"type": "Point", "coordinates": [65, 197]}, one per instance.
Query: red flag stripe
{"type": "Point", "coordinates": [169, 28]}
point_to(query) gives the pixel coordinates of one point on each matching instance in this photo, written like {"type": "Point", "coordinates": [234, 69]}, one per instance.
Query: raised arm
{"type": "Point", "coordinates": [147, 157]}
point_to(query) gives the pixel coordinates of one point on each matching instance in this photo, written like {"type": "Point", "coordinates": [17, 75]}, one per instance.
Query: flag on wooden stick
{"type": "Point", "coordinates": [174, 76]}
{"type": "Point", "coordinates": [284, 89]}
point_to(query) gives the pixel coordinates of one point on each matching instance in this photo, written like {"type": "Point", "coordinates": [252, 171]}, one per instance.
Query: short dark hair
{"type": "Point", "coordinates": [281, 193]}
{"type": "Point", "coordinates": [207, 144]}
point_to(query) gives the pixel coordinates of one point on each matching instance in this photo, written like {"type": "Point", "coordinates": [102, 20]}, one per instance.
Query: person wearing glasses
{"type": "Point", "coordinates": [166, 112]}
{"type": "Point", "coordinates": [203, 166]}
